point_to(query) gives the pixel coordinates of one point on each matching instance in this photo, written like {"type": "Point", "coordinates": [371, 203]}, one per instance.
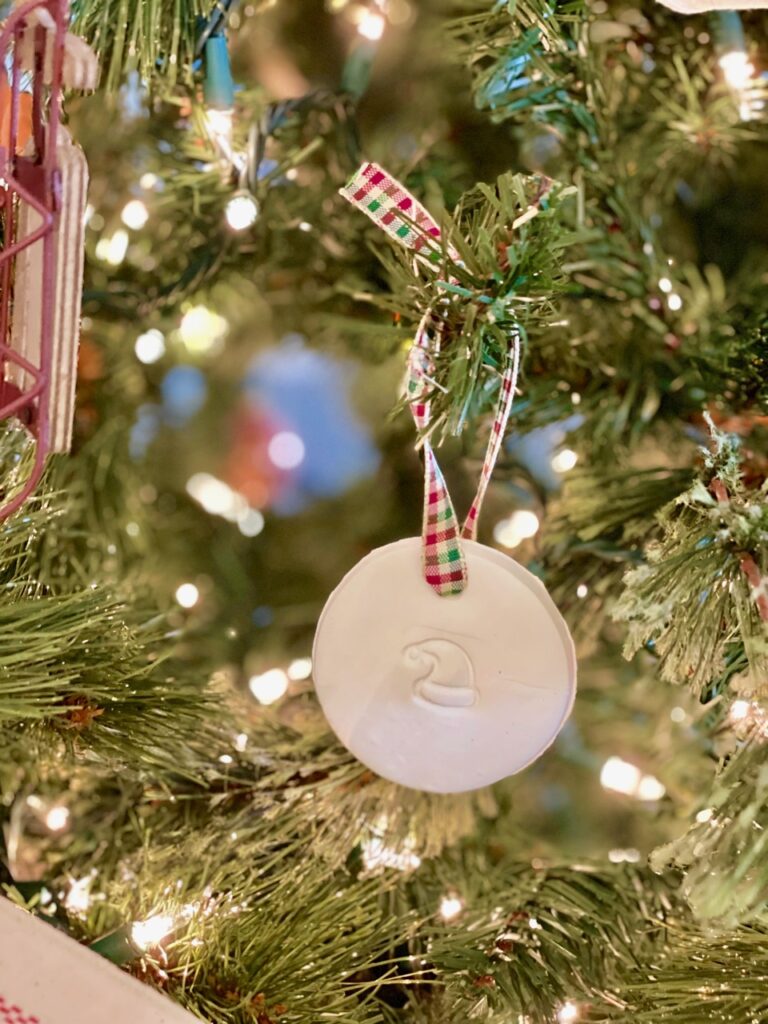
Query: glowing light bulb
{"type": "Point", "coordinates": [202, 330]}
{"type": "Point", "coordinates": [518, 527]}
{"type": "Point", "coordinates": [286, 450]}
{"type": "Point", "coordinates": [269, 687]}
{"type": "Point", "coordinates": [740, 710]}
{"type": "Point", "coordinates": [675, 302]}
{"type": "Point", "coordinates": [78, 898]}
{"type": "Point", "coordinates": [57, 818]}
{"type": "Point", "coordinates": [371, 25]}
{"type": "Point", "coordinates": [737, 69]}
{"type": "Point", "coordinates": [187, 595]}
{"type": "Point", "coordinates": [623, 777]}
{"type": "Point", "coordinates": [250, 522]}
{"type": "Point", "coordinates": [219, 125]}
{"type": "Point", "coordinates": [665, 284]}
{"type": "Point", "coordinates": [568, 1013]}
{"type": "Point", "coordinates": [582, 590]}
{"type": "Point", "coordinates": [242, 211]}
{"type": "Point", "coordinates": [146, 934]}
{"type": "Point", "coordinates": [135, 215]}
{"type": "Point", "coordinates": [704, 815]}
{"type": "Point", "coordinates": [150, 346]}
{"type": "Point", "coordinates": [112, 250]}
{"type": "Point", "coordinates": [451, 907]}
{"type": "Point", "coordinates": [564, 460]}
{"type": "Point", "coordinates": [300, 668]}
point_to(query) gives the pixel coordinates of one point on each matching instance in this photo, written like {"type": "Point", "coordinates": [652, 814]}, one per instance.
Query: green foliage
{"type": "Point", "coordinates": [510, 240]}
{"type": "Point", "coordinates": [692, 601]}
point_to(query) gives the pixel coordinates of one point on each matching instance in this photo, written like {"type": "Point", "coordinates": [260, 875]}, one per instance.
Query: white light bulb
{"type": "Point", "coordinates": [242, 211]}
{"type": "Point", "coordinates": [737, 69]}
{"type": "Point", "coordinates": [112, 250]}
{"type": "Point", "coordinates": [568, 1013]}
{"type": "Point", "coordinates": [675, 302]}
{"type": "Point", "coordinates": [269, 686]}
{"type": "Point", "coordinates": [286, 450]}
{"type": "Point", "coordinates": [582, 590]}
{"type": "Point", "coordinates": [518, 527]}
{"type": "Point", "coordinates": [451, 907]}
{"type": "Point", "coordinates": [202, 330]}
{"type": "Point", "coordinates": [250, 522]}
{"type": "Point", "coordinates": [146, 934]}
{"type": "Point", "coordinates": [150, 346]}
{"type": "Point", "coordinates": [371, 26]}
{"type": "Point", "coordinates": [564, 460]}
{"type": "Point", "coordinates": [78, 898]}
{"type": "Point", "coordinates": [739, 710]}
{"type": "Point", "coordinates": [219, 125]}
{"type": "Point", "coordinates": [300, 668]}
{"type": "Point", "coordinates": [623, 777]}
{"type": "Point", "coordinates": [57, 818]}
{"type": "Point", "coordinates": [135, 215]}
{"type": "Point", "coordinates": [187, 595]}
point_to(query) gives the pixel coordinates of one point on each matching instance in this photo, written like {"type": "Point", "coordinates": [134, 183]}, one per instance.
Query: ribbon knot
{"type": "Point", "coordinates": [404, 219]}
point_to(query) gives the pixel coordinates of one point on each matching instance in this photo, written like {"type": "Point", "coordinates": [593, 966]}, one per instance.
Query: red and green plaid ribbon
{"type": "Point", "coordinates": [387, 203]}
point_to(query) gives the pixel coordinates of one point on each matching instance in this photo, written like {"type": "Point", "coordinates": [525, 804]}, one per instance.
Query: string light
{"type": "Point", "coordinates": [250, 522]}
{"type": "Point", "coordinates": [451, 907]}
{"type": "Point", "coordinates": [135, 215]}
{"type": "Point", "coordinates": [202, 330]}
{"type": "Point", "coordinates": [146, 934]}
{"type": "Point", "coordinates": [57, 818]}
{"type": "Point", "coordinates": [564, 460]}
{"type": "Point", "coordinates": [582, 590]}
{"type": "Point", "coordinates": [242, 211]}
{"type": "Point", "coordinates": [371, 25]}
{"type": "Point", "coordinates": [518, 527]}
{"type": "Point", "coordinates": [737, 69]}
{"type": "Point", "coordinates": [150, 346]}
{"type": "Point", "coordinates": [568, 1013]}
{"type": "Point", "coordinates": [187, 595]}
{"type": "Point", "coordinates": [623, 777]}
{"type": "Point", "coordinates": [286, 450]}
{"type": "Point", "coordinates": [675, 302]}
{"type": "Point", "coordinates": [300, 668]}
{"type": "Point", "coordinates": [630, 856]}
{"type": "Point", "coordinates": [270, 686]}
{"type": "Point", "coordinates": [113, 250]}
{"type": "Point", "coordinates": [78, 897]}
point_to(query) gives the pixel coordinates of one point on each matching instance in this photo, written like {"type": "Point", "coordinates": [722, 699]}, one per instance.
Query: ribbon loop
{"type": "Point", "coordinates": [404, 219]}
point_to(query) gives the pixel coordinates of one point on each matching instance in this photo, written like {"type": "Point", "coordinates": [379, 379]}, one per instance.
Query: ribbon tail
{"type": "Point", "coordinates": [503, 410]}
{"type": "Point", "coordinates": [445, 568]}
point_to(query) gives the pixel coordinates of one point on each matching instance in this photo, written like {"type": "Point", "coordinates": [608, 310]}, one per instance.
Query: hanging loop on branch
{"type": "Point", "coordinates": [404, 219]}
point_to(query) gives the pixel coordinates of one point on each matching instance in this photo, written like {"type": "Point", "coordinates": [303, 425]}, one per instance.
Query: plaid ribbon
{"type": "Point", "coordinates": [389, 205]}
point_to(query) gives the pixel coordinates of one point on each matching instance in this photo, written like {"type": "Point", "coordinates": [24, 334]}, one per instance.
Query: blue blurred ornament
{"type": "Point", "coordinates": [320, 441]}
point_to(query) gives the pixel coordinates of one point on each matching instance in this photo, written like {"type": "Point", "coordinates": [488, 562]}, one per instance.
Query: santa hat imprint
{"type": "Point", "coordinates": [48, 978]}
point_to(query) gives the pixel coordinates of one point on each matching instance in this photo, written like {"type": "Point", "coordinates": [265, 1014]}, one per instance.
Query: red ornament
{"type": "Point", "coordinates": [41, 214]}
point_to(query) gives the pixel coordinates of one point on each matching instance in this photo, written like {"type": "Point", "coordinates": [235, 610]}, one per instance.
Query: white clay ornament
{"type": "Point", "coordinates": [443, 694]}
{"type": "Point", "coordinates": [443, 665]}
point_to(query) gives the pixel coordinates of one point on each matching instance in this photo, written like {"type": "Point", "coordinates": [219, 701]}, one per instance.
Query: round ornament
{"type": "Point", "coordinates": [444, 694]}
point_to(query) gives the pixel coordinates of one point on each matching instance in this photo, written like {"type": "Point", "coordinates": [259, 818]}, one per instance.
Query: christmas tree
{"type": "Point", "coordinates": [172, 796]}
